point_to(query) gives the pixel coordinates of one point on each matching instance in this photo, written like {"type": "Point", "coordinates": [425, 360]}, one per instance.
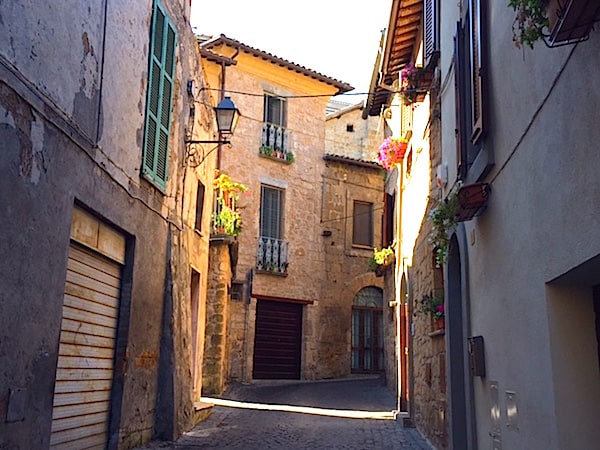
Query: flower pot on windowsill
{"type": "Point", "coordinates": [472, 200]}
{"type": "Point", "coordinates": [570, 21]}
{"type": "Point", "coordinates": [439, 323]}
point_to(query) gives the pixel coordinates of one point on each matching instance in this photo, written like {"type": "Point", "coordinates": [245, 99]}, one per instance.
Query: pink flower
{"type": "Point", "coordinates": [391, 152]}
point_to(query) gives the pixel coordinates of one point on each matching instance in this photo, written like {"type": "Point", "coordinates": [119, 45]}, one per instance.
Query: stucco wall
{"type": "Point", "coordinates": [62, 142]}
{"type": "Point", "coordinates": [541, 222]}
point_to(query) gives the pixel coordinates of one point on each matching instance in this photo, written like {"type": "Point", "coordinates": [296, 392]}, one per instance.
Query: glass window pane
{"type": "Point", "coordinates": [271, 212]}
{"type": "Point", "coordinates": [362, 232]}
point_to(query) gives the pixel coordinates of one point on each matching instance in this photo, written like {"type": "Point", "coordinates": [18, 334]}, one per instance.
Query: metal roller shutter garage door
{"type": "Point", "coordinates": [84, 375]}
{"type": "Point", "coordinates": [278, 340]}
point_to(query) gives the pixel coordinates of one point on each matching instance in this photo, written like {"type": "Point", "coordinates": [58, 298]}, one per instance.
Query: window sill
{"type": "Point", "coordinates": [440, 332]}
{"type": "Point", "coordinates": [281, 159]}
{"type": "Point", "coordinates": [270, 272]}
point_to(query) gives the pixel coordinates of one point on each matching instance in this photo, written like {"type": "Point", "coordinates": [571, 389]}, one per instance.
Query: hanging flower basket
{"type": "Point", "coordinates": [391, 152]}
{"type": "Point", "coordinates": [414, 83]}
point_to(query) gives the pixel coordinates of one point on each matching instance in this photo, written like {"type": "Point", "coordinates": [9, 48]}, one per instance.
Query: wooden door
{"type": "Point", "coordinates": [367, 340]}
{"type": "Point", "coordinates": [278, 340]}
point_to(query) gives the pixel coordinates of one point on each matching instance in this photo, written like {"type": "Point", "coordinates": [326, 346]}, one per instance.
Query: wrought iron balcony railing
{"type": "Point", "coordinates": [275, 143]}
{"type": "Point", "coordinates": [272, 255]}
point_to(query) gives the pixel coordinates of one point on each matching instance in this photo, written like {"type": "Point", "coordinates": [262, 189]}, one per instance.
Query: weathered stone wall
{"type": "Point", "coordinates": [428, 344]}
{"type": "Point", "coordinates": [345, 266]}
{"type": "Point", "coordinates": [217, 312]}
{"type": "Point", "coordinates": [63, 143]}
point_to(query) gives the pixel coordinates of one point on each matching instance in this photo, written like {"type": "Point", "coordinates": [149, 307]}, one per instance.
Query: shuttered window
{"type": "Point", "coordinates": [362, 227]}
{"type": "Point", "coordinates": [199, 207]}
{"type": "Point", "coordinates": [431, 41]}
{"type": "Point", "coordinates": [159, 98]}
{"type": "Point", "coordinates": [469, 71]}
{"type": "Point", "coordinates": [271, 212]}
{"type": "Point", "coordinates": [476, 69]}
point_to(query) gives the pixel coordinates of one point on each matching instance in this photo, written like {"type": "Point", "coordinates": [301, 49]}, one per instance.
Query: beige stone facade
{"type": "Point", "coordinates": [323, 271]}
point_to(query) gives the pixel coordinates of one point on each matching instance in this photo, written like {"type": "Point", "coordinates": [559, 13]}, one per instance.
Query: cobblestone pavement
{"type": "Point", "coordinates": [247, 429]}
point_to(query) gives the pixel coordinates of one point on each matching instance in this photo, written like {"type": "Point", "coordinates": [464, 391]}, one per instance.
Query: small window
{"type": "Point", "coordinates": [275, 110]}
{"type": "Point", "coordinates": [350, 128]}
{"type": "Point", "coordinates": [237, 291]}
{"type": "Point", "coordinates": [362, 226]}
{"type": "Point", "coordinates": [409, 161]}
{"type": "Point", "coordinates": [199, 207]}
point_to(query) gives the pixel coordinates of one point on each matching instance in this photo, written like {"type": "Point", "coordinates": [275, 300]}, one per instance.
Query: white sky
{"type": "Point", "coordinates": [338, 38]}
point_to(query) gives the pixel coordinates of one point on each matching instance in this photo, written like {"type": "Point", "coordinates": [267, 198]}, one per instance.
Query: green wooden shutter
{"type": "Point", "coordinates": [159, 101]}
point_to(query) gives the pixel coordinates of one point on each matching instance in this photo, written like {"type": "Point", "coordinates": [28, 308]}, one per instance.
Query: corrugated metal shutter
{"type": "Point", "coordinates": [278, 340]}
{"type": "Point", "coordinates": [84, 375]}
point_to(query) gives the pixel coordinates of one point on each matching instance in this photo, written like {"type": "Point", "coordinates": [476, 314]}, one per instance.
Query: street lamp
{"type": "Point", "coordinates": [227, 117]}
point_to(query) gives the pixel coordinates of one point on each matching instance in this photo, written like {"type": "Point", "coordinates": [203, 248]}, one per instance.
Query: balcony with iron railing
{"type": "Point", "coordinates": [272, 256]}
{"type": "Point", "coordinates": [275, 143]}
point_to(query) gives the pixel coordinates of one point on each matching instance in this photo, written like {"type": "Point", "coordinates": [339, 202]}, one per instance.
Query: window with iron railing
{"type": "Point", "coordinates": [272, 252]}
{"type": "Point", "coordinates": [275, 138]}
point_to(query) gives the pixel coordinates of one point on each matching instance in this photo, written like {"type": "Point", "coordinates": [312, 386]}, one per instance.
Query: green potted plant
{"type": "Point", "coordinates": [432, 306]}
{"type": "Point", "coordinates": [267, 150]}
{"type": "Point", "coordinates": [226, 218]}
{"type": "Point", "coordinates": [444, 219]}
{"type": "Point", "coordinates": [531, 21]}
{"type": "Point", "coordinates": [227, 221]}
{"type": "Point", "coordinates": [414, 83]}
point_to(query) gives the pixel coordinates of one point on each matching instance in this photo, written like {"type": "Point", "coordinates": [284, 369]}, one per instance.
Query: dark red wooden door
{"type": "Point", "coordinates": [278, 340]}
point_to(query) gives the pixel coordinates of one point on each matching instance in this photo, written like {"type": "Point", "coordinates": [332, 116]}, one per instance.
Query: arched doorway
{"type": "Point", "coordinates": [367, 331]}
{"type": "Point", "coordinates": [457, 330]}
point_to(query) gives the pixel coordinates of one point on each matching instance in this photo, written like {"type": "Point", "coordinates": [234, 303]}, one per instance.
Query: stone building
{"type": "Point", "coordinates": [512, 160]}
{"type": "Point", "coordinates": [412, 113]}
{"type": "Point", "coordinates": [105, 243]}
{"type": "Point", "coordinates": [299, 265]}
{"type": "Point", "coordinates": [353, 185]}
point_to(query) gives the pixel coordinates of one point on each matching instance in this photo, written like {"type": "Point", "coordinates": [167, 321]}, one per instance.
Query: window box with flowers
{"type": "Point", "coordinates": [555, 22]}
{"type": "Point", "coordinates": [269, 152]}
{"type": "Point", "coordinates": [391, 152]}
{"type": "Point", "coordinates": [415, 82]}
{"type": "Point", "coordinates": [381, 260]}
{"type": "Point", "coordinates": [227, 218]}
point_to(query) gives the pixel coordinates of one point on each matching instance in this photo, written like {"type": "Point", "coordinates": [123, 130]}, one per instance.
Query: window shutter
{"type": "Point", "coordinates": [270, 213]}
{"type": "Point", "coordinates": [460, 101]}
{"type": "Point", "coordinates": [477, 69]}
{"type": "Point", "coordinates": [430, 31]}
{"type": "Point", "coordinates": [159, 101]}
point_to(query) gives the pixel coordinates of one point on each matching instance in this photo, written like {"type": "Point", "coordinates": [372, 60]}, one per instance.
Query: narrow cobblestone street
{"type": "Point", "coordinates": [238, 428]}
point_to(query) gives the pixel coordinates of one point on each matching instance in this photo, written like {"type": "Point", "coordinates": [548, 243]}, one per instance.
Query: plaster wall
{"type": "Point", "coordinates": [58, 49]}
{"type": "Point", "coordinates": [541, 222]}
{"type": "Point", "coordinates": [52, 158]}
